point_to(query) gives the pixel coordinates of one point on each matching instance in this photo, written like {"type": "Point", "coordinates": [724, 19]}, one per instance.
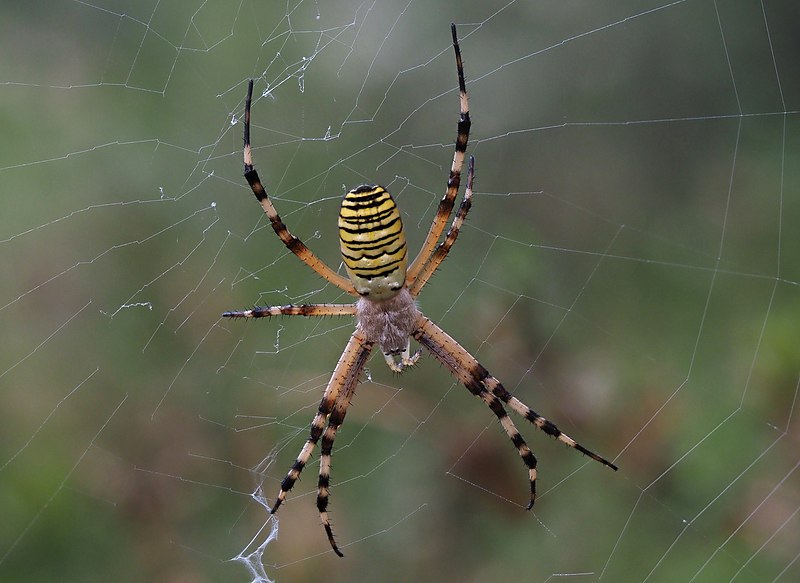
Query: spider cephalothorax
{"type": "Point", "coordinates": [389, 324]}
{"type": "Point", "coordinates": [375, 256]}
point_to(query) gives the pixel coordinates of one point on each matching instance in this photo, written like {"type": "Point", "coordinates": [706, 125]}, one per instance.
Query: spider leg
{"type": "Point", "coordinates": [454, 179]}
{"type": "Point", "coordinates": [478, 380]}
{"type": "Point", "coordinates": [452, 234]}
{"type": "Point", "coordinates": [310, 310]}
{"type": "Point", "coordinates": [343, 381]}
{"type": "Point", "coordinates": [450, 360]}
{"type": "Point", "coordinates": [335, 420]}
{"type": "Point", "coordinates": [294, 244]}
{"type": "Point", "coordinates": [550, 428]}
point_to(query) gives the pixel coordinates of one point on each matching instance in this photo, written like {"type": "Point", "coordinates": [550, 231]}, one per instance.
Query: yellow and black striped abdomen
{"type": "Point", "coordinates": [373, 242]}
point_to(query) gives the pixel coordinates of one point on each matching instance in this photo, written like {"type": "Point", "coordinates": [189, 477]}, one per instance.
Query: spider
{"type": "Point", "coordinates": [375, 257]}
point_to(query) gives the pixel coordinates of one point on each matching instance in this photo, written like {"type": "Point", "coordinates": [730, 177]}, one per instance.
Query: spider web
{"type": "Point", "coordinates": [629, 269]}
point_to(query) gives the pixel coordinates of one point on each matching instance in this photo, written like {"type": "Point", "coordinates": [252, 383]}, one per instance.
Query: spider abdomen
{"type": "Point", "coordinates": [372, 242]}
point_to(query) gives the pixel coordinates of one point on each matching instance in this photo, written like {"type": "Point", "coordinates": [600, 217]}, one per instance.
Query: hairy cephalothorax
{"type": "Point", "coordinates": [389, 324]}
{"type": "Point", "coordinates": [375, 256]}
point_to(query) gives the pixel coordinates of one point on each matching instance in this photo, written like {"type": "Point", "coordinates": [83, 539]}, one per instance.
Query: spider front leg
{"type": "Point", "coordinates": [332, 410]}
{"type": "Point", "coordinates": [426, 335]}
{"type": "Point", "coordinates": [335, 420]}
{"type": "Point", "coordinates": [477, 379]}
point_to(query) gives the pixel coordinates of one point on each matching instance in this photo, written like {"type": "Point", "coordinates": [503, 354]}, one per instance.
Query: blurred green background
{"type": "Point", "coordinates": [630, 269]}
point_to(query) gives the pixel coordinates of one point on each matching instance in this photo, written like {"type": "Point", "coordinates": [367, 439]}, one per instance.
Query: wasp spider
{"type": "Point", "coordinates": [375, 255]}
